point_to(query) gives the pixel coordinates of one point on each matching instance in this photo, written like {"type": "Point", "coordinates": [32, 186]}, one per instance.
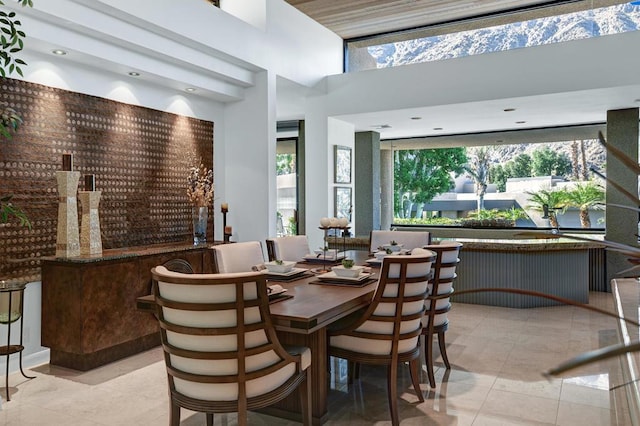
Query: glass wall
{"type": "Point", "coordinates": [541, 185]}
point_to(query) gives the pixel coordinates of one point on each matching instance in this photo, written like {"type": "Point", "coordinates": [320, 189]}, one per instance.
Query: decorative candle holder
{"type": "Point", "coordinates": [90, 238]}
{"type": "Point", "coordinates": [226, 236]}
{"type": "Point", "coordinates": [68, 235]}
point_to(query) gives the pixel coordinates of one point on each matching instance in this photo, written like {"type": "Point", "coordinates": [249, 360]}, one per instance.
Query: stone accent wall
{"type": "Point", "coordinates": [140, 158]}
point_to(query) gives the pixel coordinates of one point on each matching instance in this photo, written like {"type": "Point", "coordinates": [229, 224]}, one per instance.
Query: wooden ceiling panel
{"type": "Point", "coordinates": [361, 18]}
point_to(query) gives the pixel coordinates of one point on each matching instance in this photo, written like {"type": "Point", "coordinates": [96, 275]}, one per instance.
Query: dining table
{"type": "Point", "coordinates": [302, 314]}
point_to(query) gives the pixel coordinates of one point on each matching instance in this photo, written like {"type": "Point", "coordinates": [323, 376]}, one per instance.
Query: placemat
{"type": "Point", "coordinates": [344, 283]}
{"type": "Point", "coordinates": [279, 297]}
{"type": "Point", "coordinates": [283, 278]}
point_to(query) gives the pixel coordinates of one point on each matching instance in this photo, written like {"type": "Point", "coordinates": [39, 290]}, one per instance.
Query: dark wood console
{"type": "Point", "coordinates": [89, 313]}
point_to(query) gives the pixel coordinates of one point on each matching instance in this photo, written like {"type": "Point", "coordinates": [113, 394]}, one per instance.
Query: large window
{"type": "Point", "coordinates": [542, 185]}
{"type": "Point", "coordinates": [490, 35]}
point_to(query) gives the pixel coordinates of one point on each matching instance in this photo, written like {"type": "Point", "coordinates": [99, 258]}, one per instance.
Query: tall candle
{"type": "Point", "coordinates": [67, 162]}
{"type": "Point", "coordinates": [224, 207]}
{"type": "Point", "coordinates": [89, 182]}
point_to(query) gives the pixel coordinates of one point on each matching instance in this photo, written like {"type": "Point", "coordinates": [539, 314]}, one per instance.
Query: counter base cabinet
{"type": "Point", "coordinates": [562, 273]}
{"type": "Point", "coordinates": [89, 313]}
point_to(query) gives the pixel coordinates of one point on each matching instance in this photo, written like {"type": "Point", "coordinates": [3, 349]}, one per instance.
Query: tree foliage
{"type": "Point", "coordinates": [520, 166]}
{"type": "Point", "coordinates": [420, 175]}
{"type": "Point", "coordinates": [547, 162]}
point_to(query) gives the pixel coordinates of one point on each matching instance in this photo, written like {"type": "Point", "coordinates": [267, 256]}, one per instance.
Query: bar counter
{"type": "Point", "coordinates": [89, 313]}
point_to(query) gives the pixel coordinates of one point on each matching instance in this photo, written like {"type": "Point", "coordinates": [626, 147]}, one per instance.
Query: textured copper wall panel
{"type": "Point", "coordinates": [140, 158]}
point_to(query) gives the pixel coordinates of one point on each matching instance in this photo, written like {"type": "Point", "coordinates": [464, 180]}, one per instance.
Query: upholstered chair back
{"type": "Point", "coordinates": [443, 275]}
{"type": "Point", "coordinates": [409, 239]}
{"type": "Point", "coordinates": [292, 248]}
{"type": "Point", "coordinates": [219, 343]}
{"type": "Point", "coordinates": [237, 257]}
{"type": "Point", "coordinates": [392, 323]}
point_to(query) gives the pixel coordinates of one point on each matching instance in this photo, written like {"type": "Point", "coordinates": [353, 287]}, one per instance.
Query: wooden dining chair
{"type": "Point", "coordinates": [437, 304]}
{"type": "Point", "coordinates": [221, 351]}
{"type": "Point", "coordinates": [388, 333]}
{"type": "Point", "coordinates": [293, 248]}
{"type": "Point", "coordinates": [237, 257]}
{"type": "Point", "coordinates": [409, 239]}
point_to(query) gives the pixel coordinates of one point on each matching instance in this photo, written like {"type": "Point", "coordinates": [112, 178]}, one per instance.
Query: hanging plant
{"type": "Point", "coordinates": [11, 43]}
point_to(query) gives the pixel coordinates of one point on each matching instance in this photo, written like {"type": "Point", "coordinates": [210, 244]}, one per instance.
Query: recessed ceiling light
{"type": "Point", "coordinates": [520, 122]}
{"type": "Point", "coordinates": [190, 89]}
{"type": "Point", "coordinates": [134, 74]}
{"type": "Point", "coordinates": [437, 128]}
{"type": "Point", "coordinates": [59, 52]}
{"type": "Point", "coordinates": [416, 118]}
{"type": "Point", "coordinates": [381, 126]}
{"type": "Point", "coordinates": [509, 109]}
{"type": "Point", "coordinates": [636, 100]}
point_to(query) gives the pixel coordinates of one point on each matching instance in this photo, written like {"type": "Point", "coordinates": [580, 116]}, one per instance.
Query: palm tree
{"type": "Point", "coordinates": [547, 201]}
{"type": "Point", "coordinates": [478, 169]}
{"type": "Point", "coordinates": [584, 197]}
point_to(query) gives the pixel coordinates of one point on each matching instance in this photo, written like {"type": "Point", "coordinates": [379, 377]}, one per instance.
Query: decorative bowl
{"type": "Point", "coordinates": [393, 247]}
{"type": "Point", "coordinates": [332, 253]}
{"type": "Point", "coordinates": [352, 272]}
{"type": "Point", "coordinates": [280, 268]}
{"type": "Point", "coordinates": [380, 255]}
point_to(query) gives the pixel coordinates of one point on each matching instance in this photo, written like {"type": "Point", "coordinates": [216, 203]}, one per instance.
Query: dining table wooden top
{"type": "Point", "coordinates": [313, 304]}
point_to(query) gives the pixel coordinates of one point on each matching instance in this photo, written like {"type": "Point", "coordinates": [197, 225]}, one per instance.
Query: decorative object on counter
{"type": "Point", "coordinates": [90, 238]}
{"type": "Point", "coordinates": [200, 193]}
{"type": "Point", "coordinates": [11, 308]}
{"type": "Point", "coordinates": [227, 230]}
{"type": "Point", "coordinates": [68, 234]}
{"type": "Point", "coordinates": [200, 217]}
{"type": "Point", "coordinates": [89, 182]}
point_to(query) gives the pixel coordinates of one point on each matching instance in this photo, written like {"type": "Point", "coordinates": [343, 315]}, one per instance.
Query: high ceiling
{"type": "Point", "coordinates": [542, 116]}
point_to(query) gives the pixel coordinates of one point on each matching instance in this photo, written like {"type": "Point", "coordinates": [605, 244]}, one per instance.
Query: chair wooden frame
{"type": "Point", "coordinates": [243, 302]}
{"type": "Point", "coordinates": [431, 328]}
{"type": "Point", "coordinates": [394, 357]}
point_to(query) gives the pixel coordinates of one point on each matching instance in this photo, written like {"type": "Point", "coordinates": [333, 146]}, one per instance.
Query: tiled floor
{"type": "Point", "coordinates": [497, 357]}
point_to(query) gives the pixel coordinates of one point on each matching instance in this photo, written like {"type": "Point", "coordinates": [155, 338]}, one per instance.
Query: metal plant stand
{"type": "Point", "coordinates": [11, 309]}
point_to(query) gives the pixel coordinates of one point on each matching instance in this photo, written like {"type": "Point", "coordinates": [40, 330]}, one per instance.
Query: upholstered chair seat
{"type": "Point", "coordinates": [221, 350]}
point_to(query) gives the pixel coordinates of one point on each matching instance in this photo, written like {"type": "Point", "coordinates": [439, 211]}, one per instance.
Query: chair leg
{"type": "Point", "coordinates": [209, 419]}
{"type": "Point", "coordinates": [392, 391]}
{"type": "Point", "coordinates": [414, 368]}
{"type": "Point", "coordinates": [305, 399]}
{"type": "Point", "coordinates": [428, 358]}
{"type": "Point", "coordinates": [174, 414]}
{"type": "Point", "coordinates": [443, 350]}
{"type": "Point", "coordinates": [242, 418]}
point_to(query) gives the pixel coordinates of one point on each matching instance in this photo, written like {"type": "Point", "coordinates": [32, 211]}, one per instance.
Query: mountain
{"type": "Point", "coordinates": [556, 29]}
